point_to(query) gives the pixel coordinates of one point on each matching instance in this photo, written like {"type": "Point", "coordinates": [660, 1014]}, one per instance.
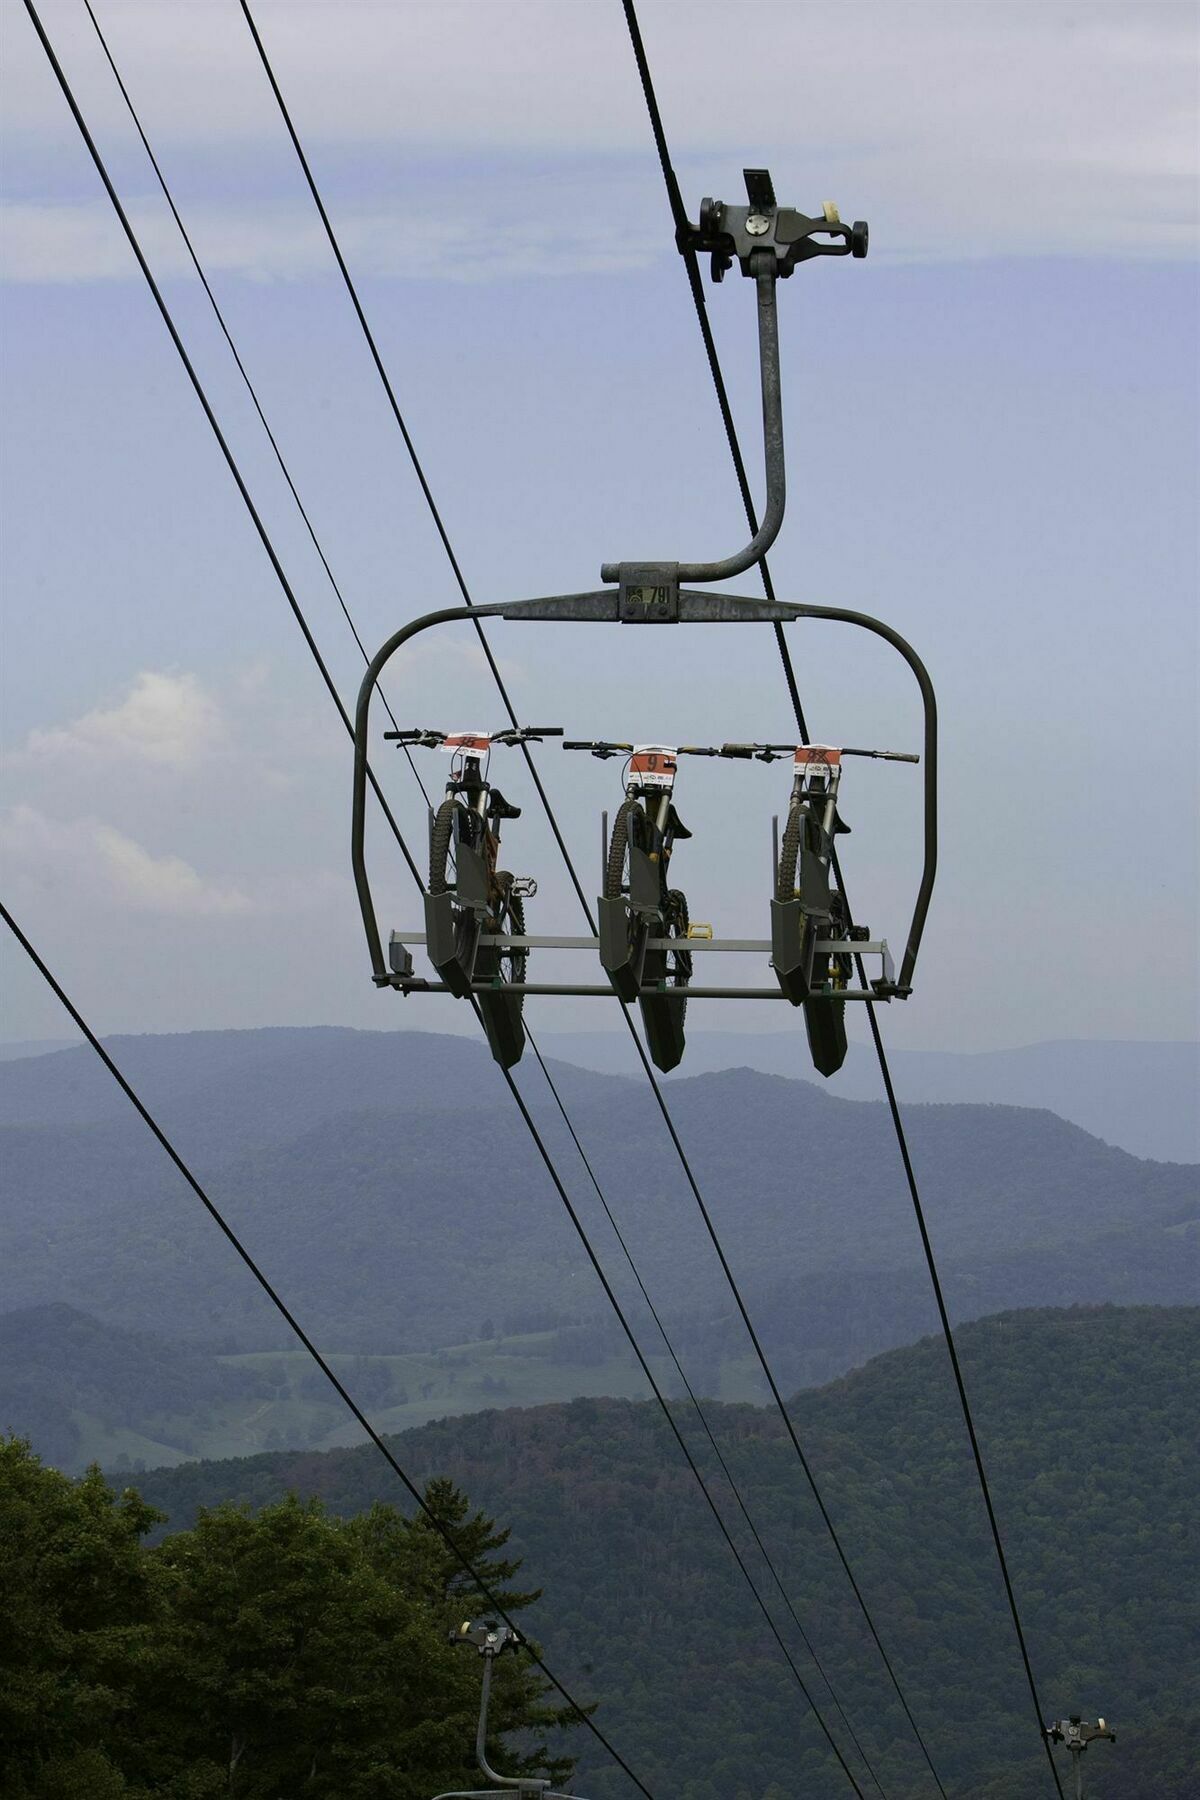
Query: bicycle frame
{"type": "Point", "coordinates": [469, 784]}
{"type": "Point", "coordinates": [816, 778]}
{"type": "Point", "coordinates": [651, 780]}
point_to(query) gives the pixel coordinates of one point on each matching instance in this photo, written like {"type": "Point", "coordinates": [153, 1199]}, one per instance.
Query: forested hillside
{"type": "Point", "coordinates": [393, 1236]}
{"type": "Point", "coordinates": [285, 1653]}
{"type": "Point", "coordinates": [1090, 1425]}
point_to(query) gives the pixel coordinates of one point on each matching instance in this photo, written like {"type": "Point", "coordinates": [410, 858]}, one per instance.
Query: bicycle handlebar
{"type": "Point", "coordinates": [520, 734]}
{"type": "Point", "coordinates": [761, 752]}
{"type": "Point", "coordinates": [774, 752]}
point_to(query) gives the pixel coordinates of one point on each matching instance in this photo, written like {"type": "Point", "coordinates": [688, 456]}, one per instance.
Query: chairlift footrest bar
{"type": "Point", "coordinates": [880, 991]}
{"type": "Point", "coordinates": [694, 946]}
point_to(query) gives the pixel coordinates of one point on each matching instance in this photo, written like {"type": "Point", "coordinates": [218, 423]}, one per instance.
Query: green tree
{"type": "Point", "coordinates": [478, 1540]}
{"type": "Point", "coordinates": [78, 1607]}
{"type": "Point", "coordinates": [284, 1651]}
{"type": "Point", "coordinates": [292, 1661]}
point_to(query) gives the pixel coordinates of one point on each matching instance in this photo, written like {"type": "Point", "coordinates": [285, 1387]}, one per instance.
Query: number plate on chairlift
{"type": "Point", "coordinates": [653, 765]}
{"type": "Point", "coordinates": [649, 595]}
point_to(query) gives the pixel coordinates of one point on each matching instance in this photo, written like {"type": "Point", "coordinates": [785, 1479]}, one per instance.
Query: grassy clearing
{"type": "Point", "coordinates": [294, 1407]}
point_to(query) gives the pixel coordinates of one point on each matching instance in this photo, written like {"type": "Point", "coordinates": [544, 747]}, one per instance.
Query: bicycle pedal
{"type": "Point", "coordinates": [524, 885]}
{"type": "Point", "coordinates": [701, 931]}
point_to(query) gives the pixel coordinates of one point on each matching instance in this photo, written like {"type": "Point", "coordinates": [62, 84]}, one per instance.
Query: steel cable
{"type": "Point", "coordinates": [679, 215]}
{"type": "Point", "coordinates": [460, 580]}
{"type": "Point", "coordinates": [294, 1325]}
{"type": "Point", "coordinates": [704, 1421]}
{"type": "Point", "coordinates": [396, 830]}
{"type": "Point", "coordinates": [241, 368]}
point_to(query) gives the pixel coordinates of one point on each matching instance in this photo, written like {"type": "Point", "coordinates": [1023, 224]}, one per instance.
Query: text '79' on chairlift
{"type": "Point", "coordinates": [475, 925]}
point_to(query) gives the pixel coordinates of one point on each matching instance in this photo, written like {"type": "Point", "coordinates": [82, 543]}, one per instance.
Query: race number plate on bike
{"type": "Point", "coordinates": [653, 765]}
{"type": "Point", "coordinates": [824, 754]}
{"type": "Point", "coordinates": [476, 743]}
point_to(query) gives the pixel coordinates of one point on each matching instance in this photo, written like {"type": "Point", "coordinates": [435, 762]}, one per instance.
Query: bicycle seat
{"type": "Point", "coordinates": [500, 808]}
{"type": "Point", "coordinates": [677, 825]}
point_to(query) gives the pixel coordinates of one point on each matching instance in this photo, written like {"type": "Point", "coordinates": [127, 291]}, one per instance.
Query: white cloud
{"type": "Point", "coordinates": [962, 128]}
{"type": "Point", "coordinates": [91, 860]}
{"type": "Point", "coordinates": [166, 721]}
{"type": "Point", "coordinates": [65, 241]}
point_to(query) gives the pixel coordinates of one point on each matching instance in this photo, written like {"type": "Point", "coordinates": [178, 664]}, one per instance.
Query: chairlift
{"type": "Point", "coordinates": [474, 915]}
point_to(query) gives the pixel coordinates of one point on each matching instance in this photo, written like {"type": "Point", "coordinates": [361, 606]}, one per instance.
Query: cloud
{"type": "Point", "coordinates": [93, 860]}
{"type": "Point", "coordinates": [469, 140]}
{"type": "Point", "coordinates": [62, 241]}
{"type": "Point", "coordinates": [440, 660]}
{"type": "Point", "coordinates": [166, 721]}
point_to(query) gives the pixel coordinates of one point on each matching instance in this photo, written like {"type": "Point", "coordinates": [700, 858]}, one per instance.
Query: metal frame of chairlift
{"type": "Point", "coordinates": [769, 242]}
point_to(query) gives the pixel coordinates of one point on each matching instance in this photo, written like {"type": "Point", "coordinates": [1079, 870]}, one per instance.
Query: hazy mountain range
{"type": "Point", "coordinates": [387, 1185]}
{"type": "Point", "coordinates": [1141, 1097]}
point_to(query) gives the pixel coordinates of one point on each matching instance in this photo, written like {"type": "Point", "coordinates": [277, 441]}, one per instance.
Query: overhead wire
{"type": "Point", "coordinates": [679, 1437]}
{"type": "Point", "coordinates": [460, 580]}
{"type": "Point", "coordinates": [707, 1427]}
{"type": "Point", "coordinates": [165, 314]}
{"type": "Point", "coordinates": [293, 1323]}
{"type": "Point", "coordinates": [251, 390]}
{"type": "Point", "coordinates": [277, 566]}
{"type": "Point", "coordinates": [682, 224]}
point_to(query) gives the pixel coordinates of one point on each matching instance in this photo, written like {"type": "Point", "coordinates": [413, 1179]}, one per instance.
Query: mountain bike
{"type": "Point", "coordinates": [470, 896]}
{"type": "Point", "coordinates": [639, 904]}
{"type": "Point", "coordinates": [807, 908]}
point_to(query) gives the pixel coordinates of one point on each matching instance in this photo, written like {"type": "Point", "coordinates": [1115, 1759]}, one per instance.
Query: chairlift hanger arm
{"type": "Point", "coordinates": [768, 241]}
{"type": "Point", "coordinates": [610, 605]}
{"type": "Point", "coordinates": [766, 275]}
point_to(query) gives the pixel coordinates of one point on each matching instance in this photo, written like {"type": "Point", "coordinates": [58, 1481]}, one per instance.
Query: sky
{"type": "Point", "coordinates": [992, 444]}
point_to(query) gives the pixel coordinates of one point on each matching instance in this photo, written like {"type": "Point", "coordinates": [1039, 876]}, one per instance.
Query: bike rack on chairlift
{"type": "Point", "coordinates": [768, 241]}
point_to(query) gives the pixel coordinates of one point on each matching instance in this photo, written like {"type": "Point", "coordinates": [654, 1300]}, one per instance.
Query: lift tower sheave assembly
{"type": "Point", "coordinates": [643, 941]}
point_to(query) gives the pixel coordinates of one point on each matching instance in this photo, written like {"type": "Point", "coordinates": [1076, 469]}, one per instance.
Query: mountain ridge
{"type": "Point", "coordinates": [1088, 1420]}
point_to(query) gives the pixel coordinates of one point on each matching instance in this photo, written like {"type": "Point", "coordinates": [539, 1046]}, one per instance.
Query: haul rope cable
{"type": "Point", "coordinates": [243, 490]}
{"type": "Point", "coordinates": [90, 1035]}
{"type": "Point", "coordinates": [703, 1417]}
{"type": "Point", "coordinates": [244, 373]}
{"type": "Point", "coordinates": [399, 836]}
{"type": "Point", "coordinates": [294, 1324]}
{"type": "Point", "coordinates": [549, 1080]}
{"type": "Point", "coordinates": [679, 216]}
{"type": "Point", "coordinates": [377, 359]}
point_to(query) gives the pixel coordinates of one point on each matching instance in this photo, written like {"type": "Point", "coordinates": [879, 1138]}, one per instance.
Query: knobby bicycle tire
{"type": "Point", "coordinates": [441, 839]}
{"type": "Point", "coordinates": [679, 962]}
{"type": "Point", "coordinates": [625, 832]}
{"type": "Point", "coordinates": [789, 855]}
